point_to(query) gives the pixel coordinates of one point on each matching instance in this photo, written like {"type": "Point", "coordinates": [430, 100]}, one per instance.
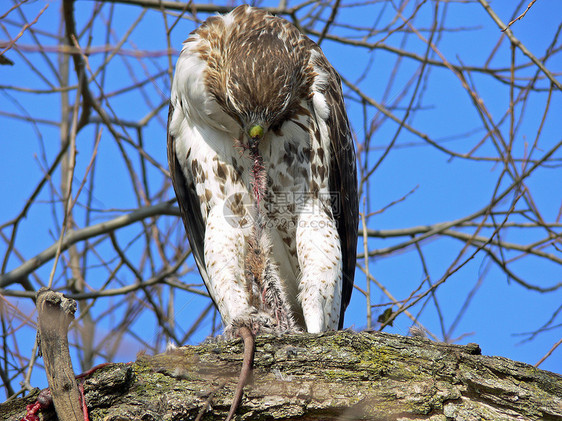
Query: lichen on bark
{"type": "Point", "coordinates": [335, 375]}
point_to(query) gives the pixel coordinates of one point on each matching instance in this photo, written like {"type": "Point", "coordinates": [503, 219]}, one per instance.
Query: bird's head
{"type": "Point", "coordinates": [257, 69]}
{"type": "Point", "coordinates": [262, 83]}
{"type": "Point", "coordinates": [259, 103]}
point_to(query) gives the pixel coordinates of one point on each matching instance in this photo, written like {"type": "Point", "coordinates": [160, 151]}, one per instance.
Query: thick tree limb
{"type": "Point", "coordinates": [337, 375]}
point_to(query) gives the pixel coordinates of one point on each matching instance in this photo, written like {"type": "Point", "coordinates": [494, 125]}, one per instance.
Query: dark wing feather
{"type": "Point", "coordinates": [343, 179]}
{"type": "Point", "coordinates": [188, 201]}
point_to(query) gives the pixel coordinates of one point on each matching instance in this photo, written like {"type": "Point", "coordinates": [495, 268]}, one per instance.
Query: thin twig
{"type": "Point", "coordinates": [519, 44]}
{"type": "Point", "coordinates": [521, 16]}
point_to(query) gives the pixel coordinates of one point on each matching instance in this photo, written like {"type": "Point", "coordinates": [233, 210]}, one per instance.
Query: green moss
{"type": "Point", "coordinates": [340, 375]}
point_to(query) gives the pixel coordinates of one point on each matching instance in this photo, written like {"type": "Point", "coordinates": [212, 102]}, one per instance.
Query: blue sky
{"type": "Point", "coordinates": [444, 189]}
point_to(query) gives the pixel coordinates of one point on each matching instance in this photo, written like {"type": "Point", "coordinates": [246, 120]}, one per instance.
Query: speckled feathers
{"type": "Point", "coordinates": [236, 71]}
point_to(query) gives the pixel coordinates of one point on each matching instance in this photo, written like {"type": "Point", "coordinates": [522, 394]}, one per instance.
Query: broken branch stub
{"type": "Point", "coordinates": [55, 312]}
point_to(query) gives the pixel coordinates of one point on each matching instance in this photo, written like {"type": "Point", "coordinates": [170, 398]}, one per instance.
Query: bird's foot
{"type": "Point", "coordinates": [258, 322]}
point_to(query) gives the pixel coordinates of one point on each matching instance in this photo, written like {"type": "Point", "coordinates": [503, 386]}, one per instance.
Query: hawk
{"type": "Point", "coordinates": [263, 166]}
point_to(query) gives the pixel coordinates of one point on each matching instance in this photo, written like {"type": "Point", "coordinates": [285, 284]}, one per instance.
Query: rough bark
{"type": "Point", "coordinates": [54, 314]}
{"type": "Point", "coordinates": [336, 375]}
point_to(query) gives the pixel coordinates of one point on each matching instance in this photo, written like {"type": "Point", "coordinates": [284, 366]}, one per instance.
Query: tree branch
{"type": "Point", "coordinates": [338, 375]}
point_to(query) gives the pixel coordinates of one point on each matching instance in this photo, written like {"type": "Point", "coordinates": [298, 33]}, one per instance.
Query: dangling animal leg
{"type": "Point", "coordinates": [245, 373]}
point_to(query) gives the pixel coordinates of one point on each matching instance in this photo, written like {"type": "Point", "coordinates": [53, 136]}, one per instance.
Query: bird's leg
{"type": "Point", "coordinates": [321, 277]}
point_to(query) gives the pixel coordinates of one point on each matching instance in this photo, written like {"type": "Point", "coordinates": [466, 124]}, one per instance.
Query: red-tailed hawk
{"type": "Point", "coordinates": [263, 166]}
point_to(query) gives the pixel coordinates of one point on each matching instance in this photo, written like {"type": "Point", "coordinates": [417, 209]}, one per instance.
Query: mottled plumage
{"type": "Point", "coordinates": [263, 165]}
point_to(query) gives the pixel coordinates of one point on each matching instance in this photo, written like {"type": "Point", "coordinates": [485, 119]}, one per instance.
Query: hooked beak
{"type": "Point", "coordinates": [256, 134]}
